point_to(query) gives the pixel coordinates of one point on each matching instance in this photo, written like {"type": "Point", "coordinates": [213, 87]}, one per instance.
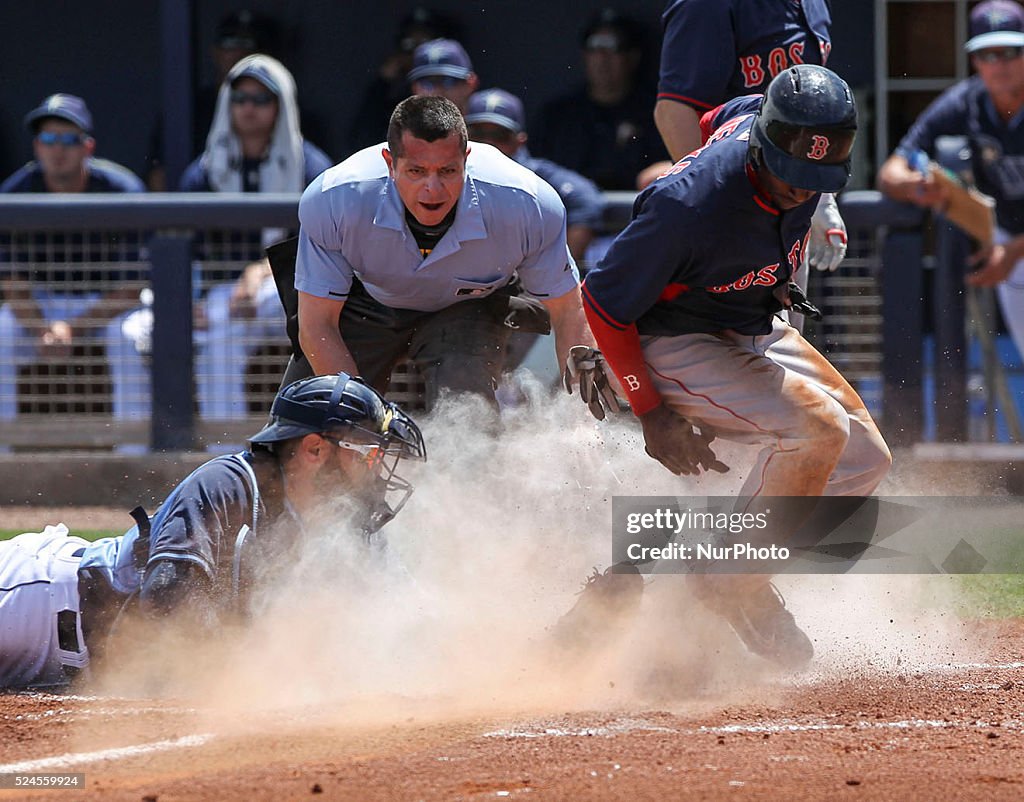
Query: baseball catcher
{"type": "Point", "coordinates": [331, 439]}
{"type": "Point", "coordinates": [685, 308]}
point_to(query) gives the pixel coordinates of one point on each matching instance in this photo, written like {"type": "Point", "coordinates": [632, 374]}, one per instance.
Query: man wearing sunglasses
{"type": "Point", "coordinates": [254, 145]}
{"type": "Point", "coordinates": [54, 299]}
{"type": "Point", "coordinates": [326, 463]}
{"type": "Point", "coordinates": [986, 109]}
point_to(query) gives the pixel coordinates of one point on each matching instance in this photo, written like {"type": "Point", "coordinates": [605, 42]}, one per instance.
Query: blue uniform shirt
{"type": "Point", "coordinates": [714, 50]}
{"type": "Point", "coordinates": [584, 203]}
{"type": "Point", "coordinates": [704, 249]}
{"type": "Point", "coordinates": [508, 221]}
{"type": "Point", "coordinates": [997, 148]}
{"type": "Point", "coordinates": [199, 522]}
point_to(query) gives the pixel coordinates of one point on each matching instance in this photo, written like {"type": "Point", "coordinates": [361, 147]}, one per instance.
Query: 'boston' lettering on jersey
{"type": "Point", "coordinates": [765, 277]}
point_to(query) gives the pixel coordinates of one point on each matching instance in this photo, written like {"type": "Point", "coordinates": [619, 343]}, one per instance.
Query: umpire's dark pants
{"type": "Point", "coordinates": [461, 348]}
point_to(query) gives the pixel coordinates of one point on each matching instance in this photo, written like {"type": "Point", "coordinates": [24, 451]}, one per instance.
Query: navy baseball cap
{"type": "Point", "coordinates": [496, 106]}
{"type": "Point", "coordinates": [996, 23]}
{"type": "Point", "coordinates": [441, 57]}
{"type": "Point", "coordinates": [63, 107]}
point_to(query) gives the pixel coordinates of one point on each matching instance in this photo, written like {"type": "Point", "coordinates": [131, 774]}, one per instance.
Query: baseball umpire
{"type": "Point", "coordinates": [332, 444]}
{"type": "Point", "coordinates": [427, 249]}
{"type": "Point", "coordinates": [685, 308]}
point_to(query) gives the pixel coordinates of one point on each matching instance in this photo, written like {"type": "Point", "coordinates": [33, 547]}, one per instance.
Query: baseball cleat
{"type": "Point", "coordinates": [605, 605]}
{"type": "Point", "coordinates": [767, 628]}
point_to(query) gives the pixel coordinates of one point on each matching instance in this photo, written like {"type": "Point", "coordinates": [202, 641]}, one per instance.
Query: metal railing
{"type": "Point", "coordinates": [873, 331]}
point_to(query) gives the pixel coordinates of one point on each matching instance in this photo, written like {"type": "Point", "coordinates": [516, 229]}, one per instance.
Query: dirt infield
{"type": "Point", "coordinates": [949, 730]}
{"type": "Point", "coordinates": [93, 519]}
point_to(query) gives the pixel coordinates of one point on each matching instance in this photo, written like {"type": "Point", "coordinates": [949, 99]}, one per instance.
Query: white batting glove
{"type": "Point", "coordinates": [827, 245]}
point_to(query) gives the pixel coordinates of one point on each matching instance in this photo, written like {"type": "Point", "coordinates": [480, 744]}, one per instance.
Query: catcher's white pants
{"type": "Point", "coordinates": [777, 391]}
{"type": "Point", "coordinates": [38, 581]}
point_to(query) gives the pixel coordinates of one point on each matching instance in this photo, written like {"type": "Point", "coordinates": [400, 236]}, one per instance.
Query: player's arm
{"type": "Point", "coordinates": [900, 181]}
{"type": "Point", "coordinates": [568, 322]}
{"type": "Point", "coordinates": [946, 116]}
{"type": "Point", "coordinates": [320, 337]}
{"type": "Point", "coordinates": [697, 57]}
{"type": "Point", "coordinates": [639, 265]}
{"type": "Point", "coordinates": [323, 278]}
{"type": "Point", "coordinates": [679, 126]}
{"type": "Point", "coordinates": [174, 587]}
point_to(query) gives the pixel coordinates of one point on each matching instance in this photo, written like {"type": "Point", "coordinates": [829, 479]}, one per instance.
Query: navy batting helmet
{"type": "Point", "coordinates": [805, 128]}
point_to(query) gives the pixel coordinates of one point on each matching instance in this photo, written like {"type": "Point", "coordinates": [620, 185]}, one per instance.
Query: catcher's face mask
{"type": "Point", "coordinates": [380, 454]}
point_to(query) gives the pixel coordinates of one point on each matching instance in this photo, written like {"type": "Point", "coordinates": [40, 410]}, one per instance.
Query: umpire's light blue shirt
{"type": "Point", "coordinates": [508, 221]}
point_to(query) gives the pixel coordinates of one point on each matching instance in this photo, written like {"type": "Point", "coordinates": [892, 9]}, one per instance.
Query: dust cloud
{"type": "Point", "coordinates": [454, 617]}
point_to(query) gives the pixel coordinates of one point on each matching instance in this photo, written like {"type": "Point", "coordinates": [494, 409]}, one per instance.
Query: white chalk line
{"type": "Point", "coordinates": [772, 727]}
{"type": "Point", "coordinates": [75, 714]}
{"type": "Point", "coordinates": [553, 729]}
{"type": "Point", "coordinates": [538, 731]}
{"type": "Point", "coordinates": [117, 753]}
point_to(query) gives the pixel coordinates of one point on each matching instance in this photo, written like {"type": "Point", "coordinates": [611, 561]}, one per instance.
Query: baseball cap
{"type": "Point", "coordinates": [996, 23]}
{"type": "Point", "coordinates": [496, 106]}
{"type": "Point", "coordinates": [611, 30]}
{"type": "Point", "coordinates": [63, 107]}
{"type": "Point", "coordinates": [444, 57]}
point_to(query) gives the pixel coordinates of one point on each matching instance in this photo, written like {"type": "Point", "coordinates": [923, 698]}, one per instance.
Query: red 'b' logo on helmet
{"type": "Point", "coordinates": [819, 147]}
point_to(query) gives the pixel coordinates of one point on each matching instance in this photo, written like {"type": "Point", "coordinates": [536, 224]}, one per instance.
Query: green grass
{"type": "Point", "coordinates": [88, 534]}
{"type": "Point", "coordinates": [993, 595]}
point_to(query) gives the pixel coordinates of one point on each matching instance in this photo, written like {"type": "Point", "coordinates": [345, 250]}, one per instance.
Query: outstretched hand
{"type": "Point", "coordinates": [586, 368]}
{"type": "Point", "coordinates": [675, 443]}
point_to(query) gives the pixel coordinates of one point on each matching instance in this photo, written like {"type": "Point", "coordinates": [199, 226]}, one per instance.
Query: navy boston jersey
{"type": "Point", "coordinates": [714, 50]}
{"type": "Point", "coordinates": [672, 272]}
{"type": "Point", "coordinates": [997, 148]}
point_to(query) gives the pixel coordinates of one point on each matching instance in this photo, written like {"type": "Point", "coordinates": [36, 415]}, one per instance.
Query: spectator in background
{"type": "Point", "coordinates": [987, 109]}
{"type": "Point", "coordinates": [390, 84]}
{"type": "Point", "coordinates": [255, 145]}
{"type": "Point", "coordinates": [496, 117]}
{"type": "Point", "coordinates": [441, 68]}
{"type": "Point", "coordinates": [239, 34]}
{"type": "Point", "coordinates": [49, 304]}
{"type": "Point", "coordinates": [604, 130]}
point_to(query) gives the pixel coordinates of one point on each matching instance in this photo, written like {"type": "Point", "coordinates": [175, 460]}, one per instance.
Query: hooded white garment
{"type": "Point", "coordinates": [284, 168]}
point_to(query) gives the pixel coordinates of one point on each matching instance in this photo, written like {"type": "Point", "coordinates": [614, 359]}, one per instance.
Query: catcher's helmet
{"type": "Point", "coordinates": [805, 128]}
{"type": "Point", "coordinates": [346, 408]}
{"type": "Point", "coordinates": [353, 416]}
